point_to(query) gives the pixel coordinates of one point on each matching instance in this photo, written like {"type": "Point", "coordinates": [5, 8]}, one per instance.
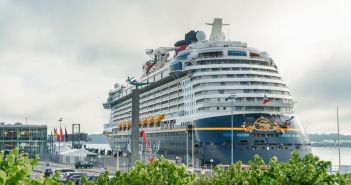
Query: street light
{"type": "Point", "coordinates": [190, 128]}
{"type": "Point", "coordinates": [192, 148]}
{"type": "Point", "coordinates": [117, 156]}
{"type": "Point", "coordinates": [177, 159]}
{"type": "Point", "coordinates": [232, 97]}
{"type": "Point", "coordinates": [211, 161]}
{"type": "Point", "coordinates": [60, 120]}
{"type": "Point", "coordinates": [187, 149]}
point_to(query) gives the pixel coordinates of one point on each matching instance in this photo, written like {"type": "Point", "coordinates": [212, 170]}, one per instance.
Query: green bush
{"type": "Point", "coordinates": [15, 169]}
{"type": "Point", "coordinates": [297, 171]}
{"type": "Point", "coordinates": [161, 171]}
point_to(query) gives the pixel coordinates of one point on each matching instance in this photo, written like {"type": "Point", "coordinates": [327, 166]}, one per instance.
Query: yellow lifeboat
{"type": "Point", "coordinates": [129, 124]}
{"type": "Point", "coordinates": [151, 120]}
{"type": "Point", "coordinates": [159, 118]}
{"type": "Point", "coordinates": [120, 126]}
{"type": "Point", "coordinates": [144, 122]}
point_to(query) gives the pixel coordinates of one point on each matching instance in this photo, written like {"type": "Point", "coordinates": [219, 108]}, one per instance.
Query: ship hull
{"type": "Point", "coordinates": [263, 134]}
{"type": "Point", "coordinates": [212, 139]}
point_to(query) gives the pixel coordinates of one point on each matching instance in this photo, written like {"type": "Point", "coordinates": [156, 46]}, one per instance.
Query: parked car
{"type": "Point", "coordinates": [76, 178]}
{"type": "Point", "coordinates": [92, 178]}
{"type": "Point", "coordinates": [83, 164]}
{"type": "Point", "coordinates": [68, 175]}
{"type": "Point", "coordinates": [51, 171]}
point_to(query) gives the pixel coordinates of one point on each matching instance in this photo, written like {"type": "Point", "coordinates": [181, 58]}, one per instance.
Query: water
{"type": "Point", "coordinates": [324, 153]}
{"type": "Point", "coordinates": [331, 154]}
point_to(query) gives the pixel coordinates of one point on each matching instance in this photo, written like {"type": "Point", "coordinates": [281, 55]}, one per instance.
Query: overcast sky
{"type": "Point", "coordinates": [60, 58]}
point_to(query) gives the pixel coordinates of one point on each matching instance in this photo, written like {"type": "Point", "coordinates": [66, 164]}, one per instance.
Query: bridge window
{"type": "Point", "coordinates": [177, 66]}
{"type": "Point", "coordinates": [182, 56]}
{"type": "Point", "coordinates": [214, 54]}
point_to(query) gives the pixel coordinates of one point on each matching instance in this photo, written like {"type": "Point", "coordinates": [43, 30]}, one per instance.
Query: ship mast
{"type": "Point", "coordinates": [216, 32]}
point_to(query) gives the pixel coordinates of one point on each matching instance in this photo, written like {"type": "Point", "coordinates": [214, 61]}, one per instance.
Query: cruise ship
{"type": "Point", "coordinates": [208, 100]}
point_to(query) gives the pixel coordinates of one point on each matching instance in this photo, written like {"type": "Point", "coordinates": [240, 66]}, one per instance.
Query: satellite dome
{"type": "Point", "coordinates": [117, 85]}
{"type": "Point", "coordinates": [200, 36]}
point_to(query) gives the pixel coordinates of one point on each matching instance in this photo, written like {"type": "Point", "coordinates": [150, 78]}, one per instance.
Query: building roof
{"type": "Point", "coordinates": [20, 125]}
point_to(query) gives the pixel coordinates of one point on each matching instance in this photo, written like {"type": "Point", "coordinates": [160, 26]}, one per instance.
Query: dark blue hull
{"type": "Point", "coordinates": [263, 134]}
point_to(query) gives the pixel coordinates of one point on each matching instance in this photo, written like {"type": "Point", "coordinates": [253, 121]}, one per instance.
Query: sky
{"type": "Point", "coordinates": [60, 58]}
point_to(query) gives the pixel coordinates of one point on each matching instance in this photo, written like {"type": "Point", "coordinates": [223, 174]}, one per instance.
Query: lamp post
{"type": "Point", "coordinates": [117, 156]}
{"type": "Point", "coordinates": [177, 159]}
{"type": "Point", "coordinates": [187, 149]}
{"type": "Point", "coordinates": [60, 120]}
{"type": "Point", "coordinates": [232, 98]}
{"type": "Point", "coordinates": [211, 161]}
{"type": "Point", "coordinates": [192, 148]}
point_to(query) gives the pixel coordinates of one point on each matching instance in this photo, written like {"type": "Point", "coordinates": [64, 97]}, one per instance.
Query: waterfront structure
{"type": "Point", "coordinates": [229, 95]}
{"type": "Point", "coordinates": [31, 139]}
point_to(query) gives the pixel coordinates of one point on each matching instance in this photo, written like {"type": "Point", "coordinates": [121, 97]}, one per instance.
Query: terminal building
{"type": "Point", "coordinates": [31, 139]}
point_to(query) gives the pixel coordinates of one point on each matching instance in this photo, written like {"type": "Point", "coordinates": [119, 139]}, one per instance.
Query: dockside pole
{"type": "Point", "coordinates": [135, 127]}
{"type": "Point", "coordinates": [337, 122]}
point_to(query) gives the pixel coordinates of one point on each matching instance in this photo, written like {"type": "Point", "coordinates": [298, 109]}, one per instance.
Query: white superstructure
{"type": "Point", "coordinates": [197, 82]}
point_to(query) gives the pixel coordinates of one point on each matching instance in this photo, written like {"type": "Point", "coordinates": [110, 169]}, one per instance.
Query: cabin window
{"type": "Point", "coordinates": [236, 53]}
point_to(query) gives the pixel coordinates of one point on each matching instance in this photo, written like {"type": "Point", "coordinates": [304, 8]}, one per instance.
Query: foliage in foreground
{"type": "Point", "coordinates": [15, 169]}
{"type": "Point", "coordinates": [161, 171]}
{"type": "Point", "coordinates": [306, 170]}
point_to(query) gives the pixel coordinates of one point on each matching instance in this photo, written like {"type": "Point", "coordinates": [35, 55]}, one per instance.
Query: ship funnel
{"type": "Point", "coordinates": [216, 33]}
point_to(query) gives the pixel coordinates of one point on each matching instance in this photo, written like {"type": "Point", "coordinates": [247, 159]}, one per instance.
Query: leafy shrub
{"type": "Point", "coordinates": [297, 171]}
{"type": "Point", "coordinates": [15, 169]}
{"type": "Point", "coordinates": [160, 171]}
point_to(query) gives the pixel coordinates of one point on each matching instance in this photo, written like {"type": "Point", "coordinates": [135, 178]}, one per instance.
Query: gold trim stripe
{"type": "Point", "coordinates": [234, 128]}
{"type": "Point", "coordinates": [219, 128]}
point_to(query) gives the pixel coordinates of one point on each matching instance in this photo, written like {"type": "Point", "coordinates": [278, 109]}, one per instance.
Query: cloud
{"type": "Point", "coordinates": [60, 58]}
{"type": "Point", "coordinates": [320, 90]}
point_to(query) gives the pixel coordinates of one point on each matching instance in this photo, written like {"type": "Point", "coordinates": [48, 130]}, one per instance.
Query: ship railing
{"type": "Point", "coordinates": [244, 101]}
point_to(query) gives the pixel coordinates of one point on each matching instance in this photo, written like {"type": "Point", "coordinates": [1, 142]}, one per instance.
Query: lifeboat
{"type": "Point", "coordinates": [151, 120]}
{"type": "Point", "coordinates": [140, 122]}
{"type": "Point", "coordinates": [120, 126]}
{"type": "Point", "coordinates": [129, 124]}
{"type": "Point", "coordinates": [159, 118]}
{"type": "Point", "coordinates": [144, 122]}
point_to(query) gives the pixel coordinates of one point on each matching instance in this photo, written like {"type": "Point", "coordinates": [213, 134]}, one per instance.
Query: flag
{"type": "Point", "coordinates": [143, 134]}
{"type": "Point", "coordinates": [55, 134]}
{"type": "Point", "coordinates": [62, 136]}
{"type": "Point", "coordinates": [66, 135]}
{"type": "Point", "coordinates": [266, 100]}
